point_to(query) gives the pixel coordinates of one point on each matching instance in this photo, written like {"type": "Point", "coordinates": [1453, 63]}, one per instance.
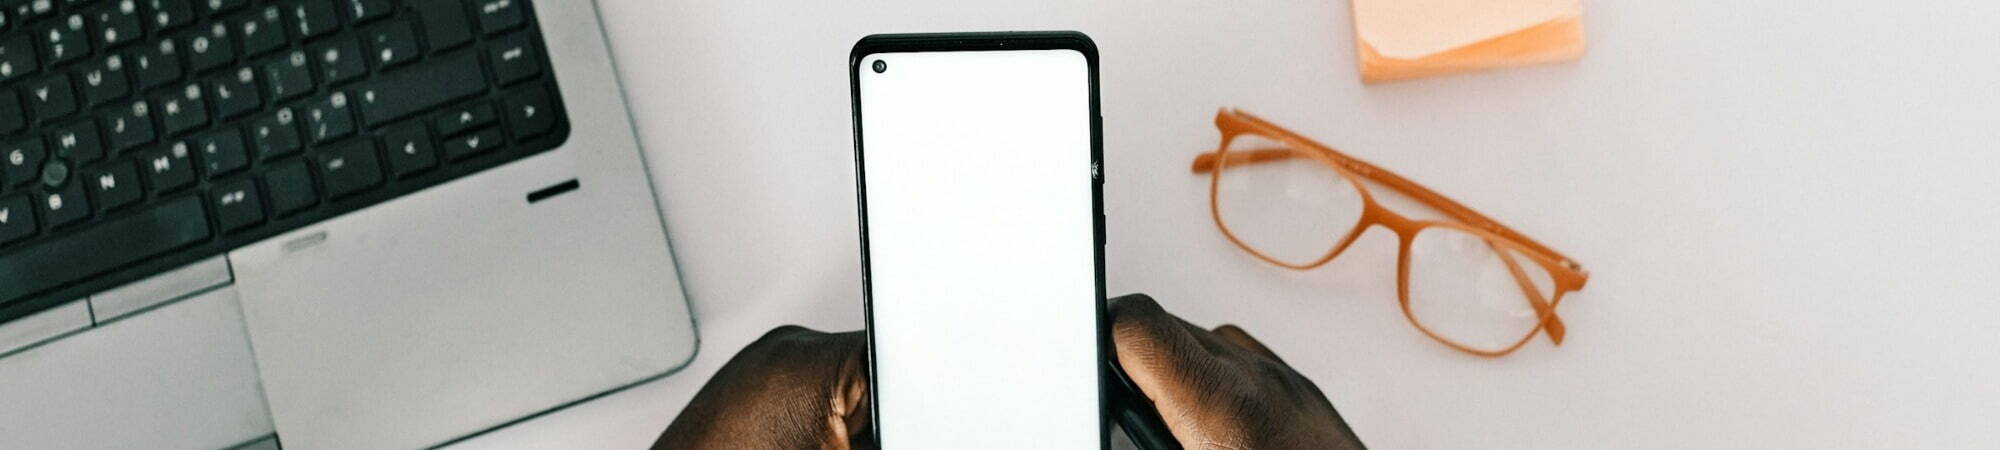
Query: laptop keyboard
{"type": "Point", "coordinates": [140, 135]}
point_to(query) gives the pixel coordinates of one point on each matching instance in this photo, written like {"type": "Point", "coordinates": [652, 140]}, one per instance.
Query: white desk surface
{"type": "Point", "coordinates": [1786, 206]}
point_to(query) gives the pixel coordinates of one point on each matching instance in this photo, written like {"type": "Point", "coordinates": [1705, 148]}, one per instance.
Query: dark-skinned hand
{"type": "Point", "coordinates": [796, 388]}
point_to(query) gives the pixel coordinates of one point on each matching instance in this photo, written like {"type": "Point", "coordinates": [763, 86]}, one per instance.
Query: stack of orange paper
{"type": "Point", "coordinates": [1403, 39]}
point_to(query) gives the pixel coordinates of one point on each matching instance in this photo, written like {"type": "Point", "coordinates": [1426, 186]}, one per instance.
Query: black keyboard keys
{"type": "Point", "coordinates": [50, 98]}
{"type": "Point", "coordinates": [168, 169]}
{"type": "Point", "coordinates": [514, 60]}
{"type": "Point", "coordinates": [17, 218]}
{"type": "Point", "coordinates": [118, 23]}
{"type": "Point", "coordinates": [237, 205]}
{"type": "Point", "coordinates": [130, 127]}
{"type": "Point", "coordinates": [289, 77]}
{"type": "Point", "coordinates": [456, 120]}
{"type": "Point", "coordinates": [77, 142]}
{"type": "Point", "coordinates": [211, 49]}
{"type": "Point", "coordinates": [410, 149]}
{"type": "Point", "coordinates": [444, 23]}
{"type": "Point", "coordinates": [64, 205]}
{"type": "Point", "coordinates": [46, 265]}
{"type": "Point", "coordinates": [314, 17]}
{"type": "Point", "coordinates": [398, 94]}
{"type": "Point", "coordinates": [222, 152]}
{"type": "Point", "coordinates": [23, 161]}
{"type": "Point", "coordinates": [275, 135]}
{"type": "Point", "coordinates": [473, 144]}
{"type": "Point", "coordinates": [183, 110]}
{"type": "Point", "coordinates": [366, 10]}
{"type": "Point", "coordinates": [157, 64]}
{"type": "Point", "coordinates": [114, 186]}
{"type": "Point", "coordinates": [329, 118]}
{"type": "Point", "coordinates": [341, 60]}
{"type": "Point", "coordinates": [104, 81]}
{"type": "Point", "coordinates": [170, 14]}
{"type": "Point", "coordinates": [349, 169]}
{"type": "Point", "coordinates": [261, 31]}
{"type": "Point", "coordinates": [236, 94]}
{"type": "Point", "coordinates": [291, 188]}
{"type": "Point", "coordinates": [17, 58]}
{"type": "Point", "coordinates": [498, 15]}
{"type": "Point", "coordinates": [530, 113]}
{"type": "Point", "coordinates": [216, 6]}
{"type": "Point", "coordinates": [392, 44]}
{"type": "Point", "coordinates": [64, 41]}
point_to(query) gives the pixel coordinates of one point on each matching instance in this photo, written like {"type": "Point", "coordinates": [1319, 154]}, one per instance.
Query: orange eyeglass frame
{"type": "Point", "coordinates": [1567, 276]}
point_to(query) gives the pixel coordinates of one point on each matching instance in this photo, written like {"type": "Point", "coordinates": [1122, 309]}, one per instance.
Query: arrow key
{"type": "Point", "coordinates": [478, 142]}
{"type": "Point", "coordinates": [457, 120]}
{"type": "Point", "coordinates": [529, 113]}
{"type": "Point", "coordinates": [410, 149]}
{"type": "Point", "coordinates": [17, 219]}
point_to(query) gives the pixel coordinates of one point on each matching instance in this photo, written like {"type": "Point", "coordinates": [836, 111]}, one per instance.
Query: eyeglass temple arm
{"type": "Point", "coordinates": [1207, 162]}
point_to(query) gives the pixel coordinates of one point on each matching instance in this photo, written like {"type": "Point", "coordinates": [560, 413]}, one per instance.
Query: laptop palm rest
{"type": "Point", "coordinates": [179, 376]}
{"type": "Point", "coordinates": [459, 309]}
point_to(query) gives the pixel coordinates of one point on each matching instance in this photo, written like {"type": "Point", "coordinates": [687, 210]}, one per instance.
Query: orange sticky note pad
{"type": "Point", "coordinates": [1403, 39]}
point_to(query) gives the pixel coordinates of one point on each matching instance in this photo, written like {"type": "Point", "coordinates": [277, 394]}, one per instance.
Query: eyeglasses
{"type": "Point", "coordinates": [1468, 282]}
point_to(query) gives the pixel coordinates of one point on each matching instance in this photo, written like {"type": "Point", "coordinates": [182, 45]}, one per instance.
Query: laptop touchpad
{"type": "Point", "coordinates": [457, 310]}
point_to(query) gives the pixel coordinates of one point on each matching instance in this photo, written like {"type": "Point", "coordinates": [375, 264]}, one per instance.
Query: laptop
{"type": "Point", "coordinates": [318, 223]}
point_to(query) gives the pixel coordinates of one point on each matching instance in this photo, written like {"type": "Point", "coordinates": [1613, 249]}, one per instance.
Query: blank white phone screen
{"type": "Point", "coordinates": [981, 249]}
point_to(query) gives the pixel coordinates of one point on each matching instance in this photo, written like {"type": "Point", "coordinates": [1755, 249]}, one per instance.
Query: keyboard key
{"type": "Point", "coordinates": [78, 142]}
{"type": "Point", "coordinates": [236, 94]}
{"type": "Point", "coordinates": [496, 16]}
{"type": "Point", "coordinates": [444, 23]}
{"type": "Point", "coordinates": [410, 149]}
{"type": "Point", "coordinates": [456, 120]}
{"type": "Point", "coordinates": [51, 98]}
{"type": "Point", "coordinates": [275, 135]}
{"type": "Point", "coordinates": [64, 41]}
{"type": "Point", "coordinates": [17, 58]}
{"type": "Point", "coordinates": [366, 10]}
{"type": "Point", "coordinates": [392, 43]}
{"type": "Point", "coordinates": [349, 169]}
{"type": "Point", "coordinates": [114, 186]}
{"type": "Point", "coordinates": [118, 23]}
{"type": "Point", "coordinates": [168, 169]}
{"type": "Point", "coordinates": [182, 111]}
{"type": "Point", "coordinates": [130, 127]}
{"type": "Point", "coordinates": [236, 204]}
{"type": "Point", "coordinates": [12, 117]}
{"type": "Point", "coordinates": [64, 205]}
{"type": "Point", "coordinates": [23, 161]}
{"type": "Point", "coordinates": [158, 64]}
{"type": "Point", "coordinates": [170, 14]}
{"type": "Point", "coordinates": [45, 265]}
{"type": "Point", "coordinates": [329, 118]}
{"type": "Point", "coordinates": [29, 10]}
{"type": "Point", "coordinates": [105, 81]}
{"type": "Point", "coordinates": [261, 31]}
{"type": "Point", "coordinates": [290, 77]}
{"type": "Point", "coordinates": [340, 61]}
{"type": "Point", "coordinates": [220, 6]}
{"type": "Point", "coordinates": [222, 152]}
{"type": "Point", "coordinates": [514, 60]}
{"type": "Point", "coordinates": [291, 188]}
{"type": "Point", "coordinates": [313, 17]}
{"type": "Point", "coordinates": [210, 50]}
{"type": "Point", "coordinates": [396, 95]}
{"type": "Point", "coordinates": [17, 219]}
{"type": "Point", "coordinates": [473, 144]}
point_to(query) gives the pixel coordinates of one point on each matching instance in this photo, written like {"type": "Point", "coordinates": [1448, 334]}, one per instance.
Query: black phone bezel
{"type": "Point", "coordinates": [984, 41]}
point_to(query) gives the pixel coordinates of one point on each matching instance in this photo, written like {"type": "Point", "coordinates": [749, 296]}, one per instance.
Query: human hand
{"type": "Point", "coordinates": [792, 388]}
{"type": "Point", "coordinates": [1221, 388]}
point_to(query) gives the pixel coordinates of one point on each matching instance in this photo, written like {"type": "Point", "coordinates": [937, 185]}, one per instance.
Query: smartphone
{"type": "Point", "coordinates": [977, 162]}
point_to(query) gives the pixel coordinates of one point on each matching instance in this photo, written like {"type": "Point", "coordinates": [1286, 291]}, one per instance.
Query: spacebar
{"type": "Point", "coordinates": [99, 249]}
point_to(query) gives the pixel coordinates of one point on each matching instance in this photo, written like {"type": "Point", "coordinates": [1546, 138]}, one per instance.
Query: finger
{"type": "Point", "coordinates": [1236, 335]}
{"type": "Point", "coordinates": [792, 387]}
{"type": "Point", "coordinates": [1164, 357]}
